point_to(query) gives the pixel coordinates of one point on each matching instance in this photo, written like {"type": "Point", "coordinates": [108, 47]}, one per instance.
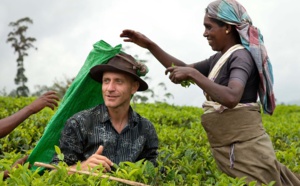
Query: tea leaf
{"type": "Point", "coordinates": [185, 83]}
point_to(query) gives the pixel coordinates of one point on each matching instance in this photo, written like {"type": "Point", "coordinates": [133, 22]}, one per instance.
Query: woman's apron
{"type": "Point", "coordinates": [241, 147]}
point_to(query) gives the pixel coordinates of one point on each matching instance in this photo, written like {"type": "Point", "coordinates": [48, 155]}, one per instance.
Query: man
{"type": "Point", "coordinates": [111, 132]}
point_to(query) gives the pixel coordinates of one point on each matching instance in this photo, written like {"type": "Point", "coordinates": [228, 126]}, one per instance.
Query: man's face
{"type": "Point", "coordinates": [117, 89]}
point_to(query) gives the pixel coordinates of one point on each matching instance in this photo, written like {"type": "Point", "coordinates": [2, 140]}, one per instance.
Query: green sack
{"type": "Point", "coordinates": [83, 93]}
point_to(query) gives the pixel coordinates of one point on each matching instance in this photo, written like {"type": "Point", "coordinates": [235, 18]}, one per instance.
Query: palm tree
{"type": "Point", "coordinates": [21, 44]}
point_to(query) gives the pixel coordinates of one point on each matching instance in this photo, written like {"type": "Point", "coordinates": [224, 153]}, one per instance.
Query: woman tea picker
{"type": "Point", "coordinates": [231, 80]}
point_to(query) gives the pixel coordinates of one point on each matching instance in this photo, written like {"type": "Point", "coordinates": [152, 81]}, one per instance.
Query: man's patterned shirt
{"type": "Point", "coordinates": [87, 130]}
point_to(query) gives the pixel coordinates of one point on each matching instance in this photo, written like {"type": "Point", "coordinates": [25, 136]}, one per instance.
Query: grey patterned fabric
{"type": "Point", "coordinates": [87, 130]}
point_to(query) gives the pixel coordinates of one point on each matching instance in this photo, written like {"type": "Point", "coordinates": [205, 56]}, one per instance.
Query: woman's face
{"type": "Point", "coordinates": [215, 34]}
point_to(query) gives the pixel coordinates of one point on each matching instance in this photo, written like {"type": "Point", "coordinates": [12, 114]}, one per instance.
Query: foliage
{"type": "Point", "coordinates": [59, 86]}
{"type": "Point", "coordinates": [24, 138]}
{"type": "Point", "coordinates": [21, 44]}
{"type": "Point", "coordinates": [184, 153]}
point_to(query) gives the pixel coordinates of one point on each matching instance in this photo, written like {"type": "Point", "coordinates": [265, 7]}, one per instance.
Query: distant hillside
{"type": "Point", "coordinates": [295, 102]}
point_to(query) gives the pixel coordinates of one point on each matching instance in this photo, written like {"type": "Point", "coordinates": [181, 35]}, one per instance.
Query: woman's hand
{"type": "Point", "coordinates": [179, 74]}
{"type": "Point", "coordinates": [136, 37]}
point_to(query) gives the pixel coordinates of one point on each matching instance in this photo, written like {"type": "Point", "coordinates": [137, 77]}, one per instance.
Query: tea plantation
{"type": "Point", "coordinates": [184, 153]}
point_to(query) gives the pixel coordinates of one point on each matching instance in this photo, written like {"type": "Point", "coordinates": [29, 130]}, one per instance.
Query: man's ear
{"type": "Point", "coordinates": [135, 87]}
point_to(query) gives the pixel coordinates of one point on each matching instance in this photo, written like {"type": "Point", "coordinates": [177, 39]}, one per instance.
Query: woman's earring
{"type": "Point", "coordinates": [227, 31]}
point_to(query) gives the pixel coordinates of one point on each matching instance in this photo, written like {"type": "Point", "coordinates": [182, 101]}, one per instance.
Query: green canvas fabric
{"type": "Point", "coordinates": [82, 94]}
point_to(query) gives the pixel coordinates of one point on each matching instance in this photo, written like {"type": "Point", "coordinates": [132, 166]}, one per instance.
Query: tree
{"type": "Point", "coordinates": [21, 44]}
{"type": "Point", "coordinates": [59, 86]}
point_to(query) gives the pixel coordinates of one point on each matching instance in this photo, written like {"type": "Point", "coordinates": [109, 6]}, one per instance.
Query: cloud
{"type": "Point", "coordinates": [66, 30]}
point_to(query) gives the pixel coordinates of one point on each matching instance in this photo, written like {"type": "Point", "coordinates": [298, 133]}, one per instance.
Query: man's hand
{"type": "Point", "coordinates": [95, 160]}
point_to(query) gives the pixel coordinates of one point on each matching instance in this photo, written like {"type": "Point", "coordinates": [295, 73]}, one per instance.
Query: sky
{"type": "Point", "coordinates": [67, 29]}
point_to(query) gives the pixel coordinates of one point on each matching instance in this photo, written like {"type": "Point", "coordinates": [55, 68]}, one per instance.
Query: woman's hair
{"type": "Point", "coordinates": [218, 22]}
{"type": "Point", "coordinates": [222, 23]}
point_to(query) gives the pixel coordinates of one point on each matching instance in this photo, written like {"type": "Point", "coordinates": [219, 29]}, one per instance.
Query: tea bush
{"type": "Point", "coordinates": [184, 152]}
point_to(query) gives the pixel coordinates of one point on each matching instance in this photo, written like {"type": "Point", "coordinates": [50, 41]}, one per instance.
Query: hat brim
{"type": "Point", "coordinates": [97, 73]}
